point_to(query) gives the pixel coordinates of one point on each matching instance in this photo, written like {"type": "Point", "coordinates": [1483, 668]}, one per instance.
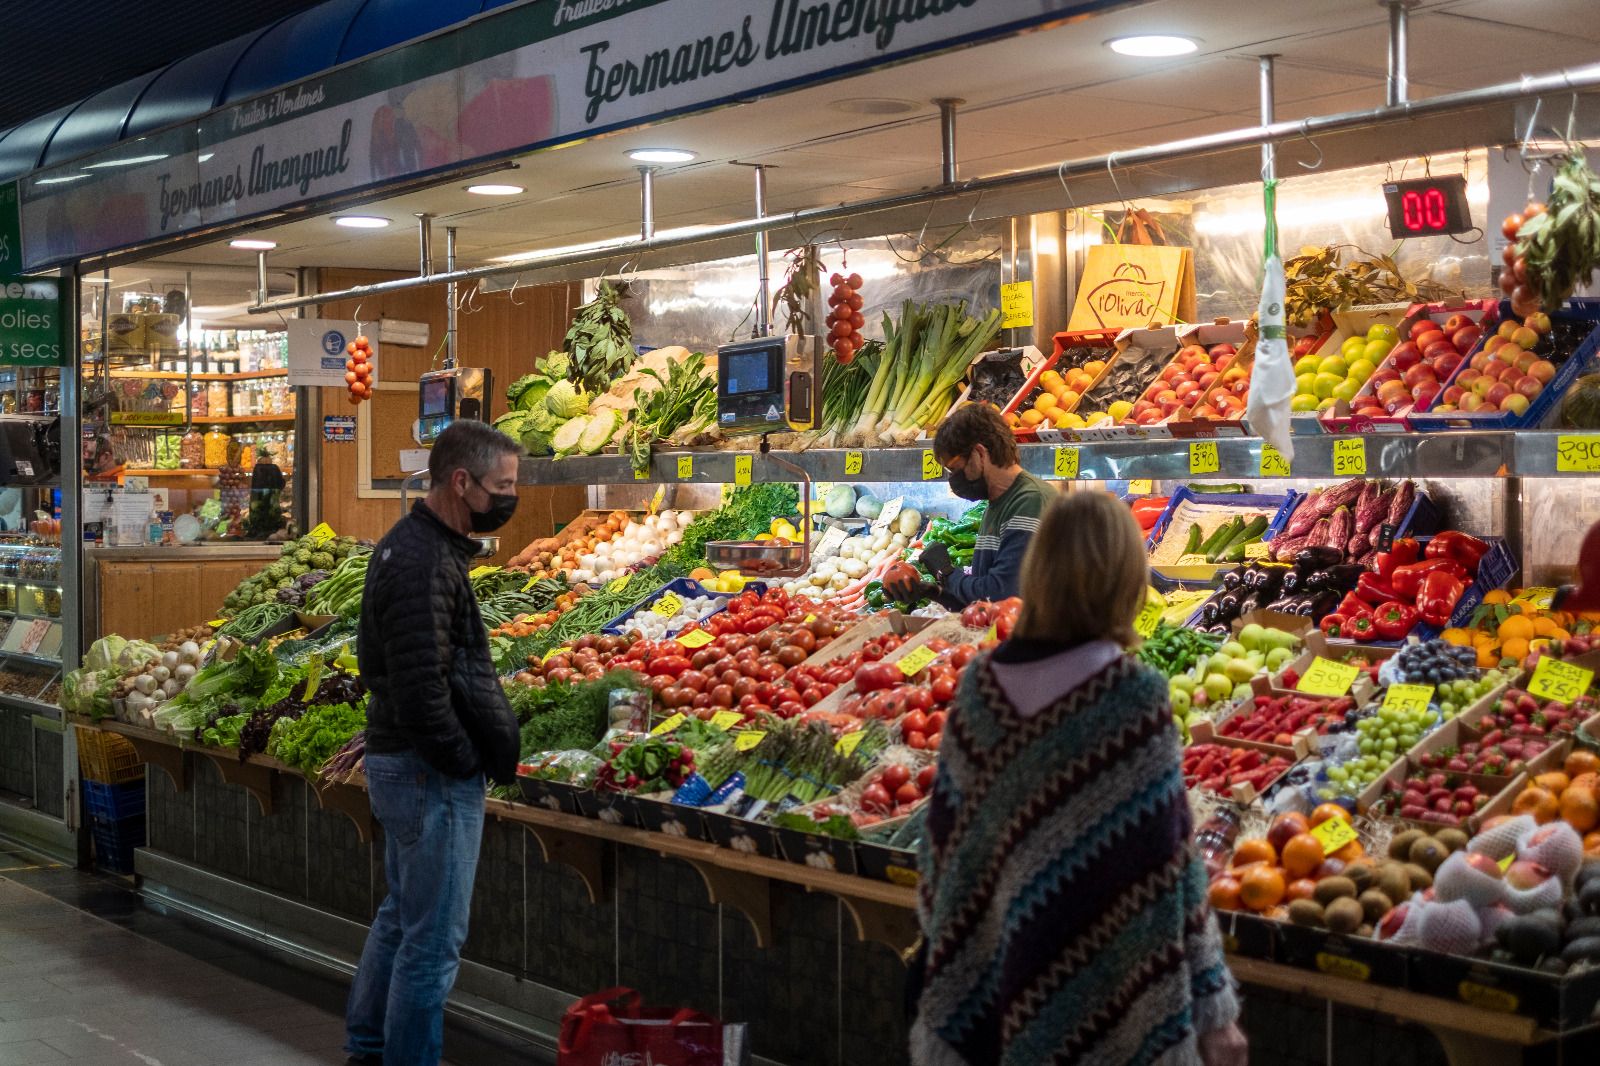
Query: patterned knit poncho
{"type": "Point", "coordinates": [1064, 912]}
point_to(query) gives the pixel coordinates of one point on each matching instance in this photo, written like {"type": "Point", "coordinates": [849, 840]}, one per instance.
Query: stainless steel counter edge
{"type": "Point", "coordinates": [187, 553]}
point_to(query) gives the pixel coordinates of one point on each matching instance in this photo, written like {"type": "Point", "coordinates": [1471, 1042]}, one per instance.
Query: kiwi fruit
{"type": "Point", "coordinates": [1451, 838]}
{"type": "Point", "coordinates": [1419, 877]}
{"type": "Point", "coordinates": [1363, 873]}
{"type": "Point", "coordinates": [1374, 904]}
{"type": "Point", "coordinates": [1400, 843]}
{"type": "Point", "coordinates": [1364, 931]}
{"type": "Point", "coordinates": [1306, 912]}
{"type": "Point", "coordinates": [1332, 888]}
{"type": "Point", "coordinates": [1394, 883]}
{"type": "Point", "coordinates": [1428, 853]}
{"type": "Point", "coordinates": [1344, 915]}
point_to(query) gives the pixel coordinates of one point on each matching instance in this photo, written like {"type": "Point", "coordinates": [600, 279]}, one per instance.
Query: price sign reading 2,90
{"type": "Point", "coordinates": [1578, 453]}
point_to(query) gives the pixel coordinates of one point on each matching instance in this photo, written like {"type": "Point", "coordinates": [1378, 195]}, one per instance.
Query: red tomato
{"type": "Point", "coordinates": [936, 722]}
{"type": "Point", "coordinates": [894, 776]}
{"type": "Point", "coordinates": [915, 722]}
{"type": "Point", "coordinates": [875, 798]}
{"type": "Point", "coordinates": [962, 656]}
{"type": "Point", "coordinates": [925, 777]}
{"type": "Point", "coordinates": [790, 709]}
{"type": "Point", "coordinates": [943, 690]}
{"type": "Point", "coordinates": [916, 740]}
{"type": "Point", "coordinates": [918, 698]}
{"type": "Point", "coordinates": [907, 794]}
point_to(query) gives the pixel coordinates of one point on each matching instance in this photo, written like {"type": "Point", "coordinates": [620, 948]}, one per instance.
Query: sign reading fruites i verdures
{"type": "Point", "coordinates": [31, 319]}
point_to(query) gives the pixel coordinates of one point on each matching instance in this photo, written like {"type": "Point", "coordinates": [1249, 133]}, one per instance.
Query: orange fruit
{"type": "Point", "coordinates": [1581, 762]}
{"type": "Point", "coordinates": [1553, 781]}
{"type": "Point", "coordinates": [1325, 811]}
{"type": "Point", "coordinates": [1538, 802]}
{"type": "Point", "coordinates": [1302, 855]}
{"type": "Point", "coordinates": [1517, 626]}
{"type": "Point", "coordinates": [1262, 887]}
{"type": "Point", "coordinates": [1031, 417]}
{"type": "Point", "coordinates": [1050, 380]}
{"type": "Point", "coordinates": [1590, 781]}
{"type": "Point", "coordinates": [1044, 403]}
{"type": "Point", "coordinates": [1252, 851]}
{"type": "Point", "coordinates": [1223, 895]}
{"type": "Point", "coordinates": [1350, 852]}
{"type": "Point", "coordinates": [1304, 888]}
{"type": "Point", "coordinates": [1591, 844]}
{"type": "Point", "coordinates": [1488, 657]}
{"type": "Point", "coordinates": [1579, 810]}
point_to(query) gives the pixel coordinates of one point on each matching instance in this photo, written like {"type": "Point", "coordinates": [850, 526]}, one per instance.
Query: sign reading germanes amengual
{"type": "Point", "coordinates": [520, 77]}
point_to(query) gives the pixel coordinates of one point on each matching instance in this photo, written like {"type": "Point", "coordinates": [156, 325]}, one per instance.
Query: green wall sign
{"type": "Point", "coordinates": [32, 322]}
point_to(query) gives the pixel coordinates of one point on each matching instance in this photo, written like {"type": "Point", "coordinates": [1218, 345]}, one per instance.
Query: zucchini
{"type": "Point", "coordinates": [1195, 536]}
{"type": "Point", "coordinates": [1250, 531]}
{"type": "Point", "coordinates": [1220, 536]}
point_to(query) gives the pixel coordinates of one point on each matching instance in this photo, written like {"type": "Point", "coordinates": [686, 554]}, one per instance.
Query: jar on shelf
{"type": "Point", "coordinates": [200, 403]}
{"type": "Point", "coordinates": [217, 442]}
{"type": "Point", "coordinates": [217, 398]}
{"type": "Point", "coordinates": [192, 450]}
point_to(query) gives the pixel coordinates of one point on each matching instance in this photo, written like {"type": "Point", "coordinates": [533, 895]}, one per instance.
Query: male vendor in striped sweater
{"type": "Point", "coordinates": [979, 455]}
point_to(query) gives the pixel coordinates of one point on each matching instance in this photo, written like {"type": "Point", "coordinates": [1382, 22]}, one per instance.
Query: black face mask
{"type": "Point", "coordinates": [501, 507]}
{"type": "Point", "coordinates": [968, 488]}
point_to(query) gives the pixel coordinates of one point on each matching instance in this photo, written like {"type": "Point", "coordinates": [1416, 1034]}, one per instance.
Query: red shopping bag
{"type": "Point", "coordinates": [612, 1028]}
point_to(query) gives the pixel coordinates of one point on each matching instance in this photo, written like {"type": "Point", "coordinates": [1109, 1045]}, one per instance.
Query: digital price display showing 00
{"type": "Point", "coordinates": [1425, 207]}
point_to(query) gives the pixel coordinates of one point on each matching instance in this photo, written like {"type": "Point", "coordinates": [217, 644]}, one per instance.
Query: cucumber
{"type": "Point", "coordinates": [1195, 534]}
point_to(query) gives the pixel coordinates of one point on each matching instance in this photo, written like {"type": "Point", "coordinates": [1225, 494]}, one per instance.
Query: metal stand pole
{"type": "Point", "coordinates": [647, 202]}
{"type": "Point", "coordinates": [425, 241]}
{"type": "Point", "coordinates": [1397, 84]}
{"type": "Point", "coordinates": [762, 327]}
{"type": "Point", "coordinates": [450, 299]}
{"type": "Point", "coordinates": [947, 138]}
{"type": "Point", "coordinates": [1269, 151]}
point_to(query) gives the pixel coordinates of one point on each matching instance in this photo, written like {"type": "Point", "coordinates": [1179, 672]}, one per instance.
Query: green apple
{"type": "Point", "coordinates": [1382, 331]}
{"type": "Point", "coordinates": [1346, 390]}
{"type": "Point", "coordinates": [1307, 364]}
{"type": "Point", "coordinates": [1326, 383]}
{"type": "Point", "coordinates": [1181, 702]}
{"type": "Point", "coordinates": [1376, 350]}
{"type": "Point", "coordinates": [1362, 369]}
{"type": "Point", "coordinates": [1304, 383]}
{"type": "Point", "coordinates": [1303, 403]}
{"type": "Point", "coordinates": [1337, 365]}
{"type": "Point", "coordinates": [1183, 683]}
{"type": "Point", "coordinates": [1352, 346]}
{"type": "Point", "coordinates": [1218, 687]}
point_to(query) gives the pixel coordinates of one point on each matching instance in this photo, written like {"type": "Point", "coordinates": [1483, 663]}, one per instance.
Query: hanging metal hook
{"type": "Point", "coordinates": [1061, 176]}
{"type": "Point", "coordinates": [512, 295]}
{"type": "Point", "coordinates": [1305, 133]}
{"type": "Point", "coordinates": [357, 317]}
{"type": "Point", "coordinates": [1115, 184]}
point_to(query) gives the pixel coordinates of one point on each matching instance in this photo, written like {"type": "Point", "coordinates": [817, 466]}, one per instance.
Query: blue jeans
{"type": "Point", "coordinates": [432, 827]}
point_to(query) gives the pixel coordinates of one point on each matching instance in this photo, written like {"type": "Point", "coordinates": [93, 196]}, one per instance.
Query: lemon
{"type": "Point", "coordinates": [763, 537]}
{"type": "Point", "coordinates": [1119, 410]}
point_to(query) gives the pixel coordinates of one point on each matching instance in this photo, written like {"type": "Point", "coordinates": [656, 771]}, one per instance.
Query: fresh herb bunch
{"type": "Point", "coordinates": [748, 511]}
{"type": "Point", "coordinates": [1560, 245]}
{"type": "Point", "coordinates": [686, 401]}
{"type": "Point", "coordinates": [564, 715]}
{"type": "Point", "coordinates": [600, 340]}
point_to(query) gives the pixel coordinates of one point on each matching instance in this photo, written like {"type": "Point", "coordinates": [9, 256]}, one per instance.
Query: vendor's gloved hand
{"type": "Point", "coordinates": [935, 559]}
{"type": "Point", "coordinates": [908, 590]}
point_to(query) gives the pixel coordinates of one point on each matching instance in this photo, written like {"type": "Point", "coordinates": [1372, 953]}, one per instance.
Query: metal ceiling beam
{"type": "Point", "coordinates": [1433, 124]}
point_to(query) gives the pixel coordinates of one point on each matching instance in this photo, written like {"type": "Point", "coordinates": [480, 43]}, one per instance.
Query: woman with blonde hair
{"type": "Point", "coordinates": [1062, 906]}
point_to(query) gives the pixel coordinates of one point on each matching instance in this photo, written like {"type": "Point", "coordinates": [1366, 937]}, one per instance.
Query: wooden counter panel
{"type": "Point", "coordinates": [145, 599]}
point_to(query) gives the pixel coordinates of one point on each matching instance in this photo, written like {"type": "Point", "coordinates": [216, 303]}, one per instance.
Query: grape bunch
{"type": "Point", "coordinates": [1456, 696]}
{"type": "Point", "coordinates": [1381, 739]}
{"type": "Point", "coordinates": [844, 317]}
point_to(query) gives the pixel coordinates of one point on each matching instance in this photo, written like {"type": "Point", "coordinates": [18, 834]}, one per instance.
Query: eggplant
{"type": "Point", "coordinates": [1208, 612]}
{"type": "Point", "coordinates": [1232, 579]}
{"type": "Point", "coordinates": [1249, 603]}
{"type": "Point", "coordinates": [1228, 605]}
{"type": "Point", "coordinates": [1284, 604]}
{"type": "Point", "coordinates": [1271, 586]}
{"type": "Point", "coordinates": [1293, 581]}
{"type": "Point", "coordinates": [1219, 631]}
{"type": "Point", "coordinates": [1341, 577]}
{"type": "Point", "coordinates": [1318, 558]}
{"type": "Point", "coordinates": [1256, 577]}
{"type": "Point", "coordinates": [1324, 602]}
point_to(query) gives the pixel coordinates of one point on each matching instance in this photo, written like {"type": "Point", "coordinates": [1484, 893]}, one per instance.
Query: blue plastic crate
{"type": "Point", "coordinates": [1494, 571]}
{"type": "Point", "coordinates": [113, 803]}
{"type": "Point", "coordinates": [1587, 310]}
{"type": "Point", "coordinates": [115, 842]}
{"type": "Point", "coordinates": [1285, 505]}
{"type": "Point", "coordinates": [685, 588]}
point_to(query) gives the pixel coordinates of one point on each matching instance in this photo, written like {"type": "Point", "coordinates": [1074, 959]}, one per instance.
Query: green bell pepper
{"type": "Point", "coordinates": [875, 598]}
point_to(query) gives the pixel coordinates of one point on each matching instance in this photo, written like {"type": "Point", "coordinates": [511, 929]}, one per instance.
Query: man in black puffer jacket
{"type": "Point", "coordinates": [438, 723]}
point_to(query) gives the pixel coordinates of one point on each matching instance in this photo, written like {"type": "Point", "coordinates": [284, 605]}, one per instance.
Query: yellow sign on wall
{"type": "Point", "coordinates": [1016, 305]}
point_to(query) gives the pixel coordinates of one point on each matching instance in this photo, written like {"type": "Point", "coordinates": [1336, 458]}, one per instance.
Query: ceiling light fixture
{"type": "Point", "coordinates": [1153, 45]}
{"type": "Point", "coordinates": [360, 221]}
{"type": "Point", "coordinates": [496, 190]}
{"type": "Point", "coordinates": [661, 155]}
{"type": "Point", "coordinates": [250, 245]}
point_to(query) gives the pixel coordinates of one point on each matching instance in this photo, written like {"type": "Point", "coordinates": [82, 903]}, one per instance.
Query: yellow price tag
{"type": "Point", "coordinates": [810, 618]}
{"type": "Point", "coordinates": [1273, 462]}
{"type": "Point", "coordinates": [695, 638]}
{"type": "Point", "coordinates": [616, 584]}
{"type": "Point", "coordinates": [1339, 966]}
{"type": "Point", "coordinates": [847, 744]}
{"type": "Point", "coordinates": [916, 659]}
{"type": "Point", "coordinates": [685, 467]}
{"type": "Point", "coordinates": [1505, 863]}
{"type": "Point", "coordinates": [551, 654]}
{"type": "Point", "coordinates": [1066, 462]}
{"type": "Point", "coordinates": [725, 720]}
{"type": "Point", "coordinates": [1141, 487]}
{"type": "Point", "coordinates": [931, 470]}
{"type": "Point", "coordinates": [852, 462]}
{"type": "Point", "coordinates": [669, 725]}
{"type": "Point", "coordinates": [1349, 457]}
{"type": "Point", "coordinates": [993, 632]}
{"type": "Point", "coordinates": [642, 474]}
{"type": "Point", "coordinates": [748, 739]}
{"type": "Point", "coordinates": [532, 581]}
{"type": "Point", "coordinates": [1334, 834]}
{"type": "Point", "coordinates": [1146, 621]}
{"type": "Point", "coordinates": [1408, 697]}
{"type": "Point", "coordinates": [667, 605]}
{"type": "Point", "coordinates": [1578, 453]}
{"type": "Point", "coordinates": [1540, 596]}
{"type": "Point", "coordinates": [323, 533]}
{"type": "Point", "coordinates": [217, 623]}
{"type": "Point", "coordinates": [1203, 457]}
{"type": "Point", "coordinates": [1324, 677]}
{"type": "Point", "coordinates": [1556, 680]}
{"type": "Point", "coordinates": [1488, 998]}
{"type": "Point", "coordinates": [1259, 549]}
{"type": "Point", "coordinates": [741, 469]}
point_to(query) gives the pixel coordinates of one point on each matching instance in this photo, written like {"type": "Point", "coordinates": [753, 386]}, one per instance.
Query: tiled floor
{"type": "Point", "coordinates": [90, 975]}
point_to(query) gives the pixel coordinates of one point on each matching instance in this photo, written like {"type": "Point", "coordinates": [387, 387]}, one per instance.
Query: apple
{"type": "Point", "coordinates": [1223, 349]}
{"type": "Point", "coordinates": [1496, 394]}
{"type": "Point", "coordinates": [1495, 343]}
{"type": "Point", "coordinates": [1455, 322]}
{"type": "Point", "coordinates": [1208, 378]}
{"type": "Point", "coordinates": [1148, 418]}
{"type": "Point", "coordinates": [1172, 371]}
{"type": "Point", "coordinates": [1187, 388]}
{"type": "Point", "coordinates": [1417, 375]}
{"type": "Point", "coordinates": [1385, 373]}
{"type": "Point", "coordinates": [1524, 361]}
{"type": "Point", "coordinates": [1470, 402]}
{"type": "Point", "coordinates": [1525, 337]}
{"type": "Point", "coordinates": [1525, 874]}
{"type": "Point", "coordinates": [1153, 391]}
{"type": "Point", "coordinates": [1304, 346]}
{"type": "Point", "coordinates": [1453, 394]}
{"type": "Point", "coordinates": [1516, 404]}
{"type": "Point", "coordinates": [1529, 386]}
{"type": "Point", "coordinates": [1405, 356]}
{"type": "Point", "coordinates": [1507, 328]}
{"type": "Point", "coordinates": [1421, 326]}
{"type": "Point", "coordinates": [1494, 367]}
{"type": "Point", "coordinates": [1202, 367]}
{"type": "Point", "coordinates": [1465, 338]}
{"type": "Point", "coordinates": [1396, 405]}
{"type": "Point", "coordinates": [1440, 350]}
{"type": "Point", "coordinates": [1467, 377]}
{"type": "Point", "coordinates": [1539, 322]}
{"type": "Point", "coordinates": [1483, 383]}
{"type": "Point", "coordinates": [1427, 337]}
{"type": "Point", "coordinates": [1542, 369]}
{"type": "Point", "coordinates": [1240, 387]}
{"type": "Point", "coordinates": [1483, 864]}
{"type": "Point", "coordinates": [1423, 394]}
{"type": "Point", "coordinates": [1445, 365]}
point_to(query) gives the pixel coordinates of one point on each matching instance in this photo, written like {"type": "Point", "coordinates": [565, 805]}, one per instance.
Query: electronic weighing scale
{"type": "Point", "coordinates": [768, 385]}
{"type": "Point", "coordinates": [446, 395]}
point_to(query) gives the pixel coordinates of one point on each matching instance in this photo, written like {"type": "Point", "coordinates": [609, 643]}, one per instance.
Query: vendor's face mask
{"type": "Point", "coordinates": [963, 482]}
{"type": "Point", "coordinates": [501, 507]}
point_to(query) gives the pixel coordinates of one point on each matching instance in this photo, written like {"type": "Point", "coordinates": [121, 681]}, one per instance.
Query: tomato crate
{"type": "Point", "coordinates": [1227, 380]}
{"type": "Point", "coordinates": [115, 843]}
{"type": "Point", "coordinates": [1103, 342]}
{"type": "Point", "coordinates": [1576, 315]}
{"type": "Point", "coordinates": [1484, 314]}
{"type": "Point", "coordinates": [883, 863]}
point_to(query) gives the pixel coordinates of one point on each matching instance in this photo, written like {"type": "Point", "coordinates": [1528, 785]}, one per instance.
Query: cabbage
{"type": "Point", "coordinates": [840, 502]}
{"type": "Point", "coordinates": [565, 400]}
{"type": "Point", "coordinates": [565, 441]}
{"type": "Point", "coordinates": [104, 653]}
{"type": "Point", "coordinates": [556, 365]}
{"type": "Point", "coordinates": [533, 396]}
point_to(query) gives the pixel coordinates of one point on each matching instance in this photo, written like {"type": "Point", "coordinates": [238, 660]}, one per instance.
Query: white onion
{"type": "Point", "coordinates": [675, 537]}
{"type": "Point", "coordinates": [189, 651]}
{"type": "Point", "coordinates": [160, 673]}
{"type": "Point", "coordinates": [603, 550]}
{"type": "Point", "coordinates": [184, 672]}
{"type": "Point", "coordinates": [684, 518]}
{"type": "Point", "coordinates": [145, 684]}
{"type": "Point", "coordinates": [668, 517]}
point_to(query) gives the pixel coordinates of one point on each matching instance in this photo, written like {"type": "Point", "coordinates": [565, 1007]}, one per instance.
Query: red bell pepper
{"type": "Point", "coordinates": [1437, 597]}
{"type": "Point", "coordinates": [1356, 625]}
{"type": "Point", "coordinates": [1394, 620]}
{"type": "Point", "coordinates": [1373, 589]}
{"type": "Point", "coordinates": [1146, 509]}
{"type": "Point", "coordinates": [1402, 551]}
{"type": "Point", "coordinates": [1352, 604]}
{"type": "Point", "coordinates": [1464, 549]}
{"type": "Point", "coordinates": [1407, 579]}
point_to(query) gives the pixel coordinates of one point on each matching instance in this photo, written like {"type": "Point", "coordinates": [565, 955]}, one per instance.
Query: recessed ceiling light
{"type": "Point", "coordinates": [360, 221]}
{"type": "Point", "coordinates": [1153, 45]}
{"type": "Point", "coordinates": [874, 105]}
{"type": "Point", "coordinates": [253, 245]}
{"type": "Point", "coordinates": [660, 155]}
{"type": "Point", "coordinates": [496, 190]}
